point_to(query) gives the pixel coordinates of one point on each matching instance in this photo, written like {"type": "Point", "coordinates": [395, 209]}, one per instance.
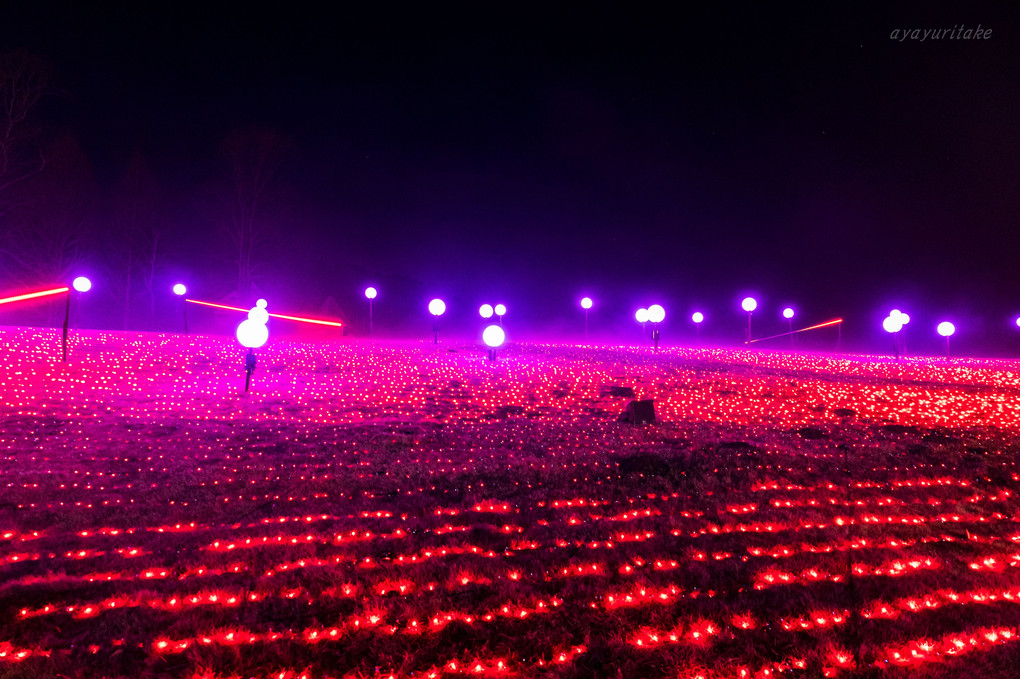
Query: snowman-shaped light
{"type": "Point", "coordinates": [253, 333]}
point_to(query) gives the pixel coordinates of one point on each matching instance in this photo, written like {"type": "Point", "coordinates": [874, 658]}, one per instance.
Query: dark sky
{"type": "Point", "coordinates": [687, 157]}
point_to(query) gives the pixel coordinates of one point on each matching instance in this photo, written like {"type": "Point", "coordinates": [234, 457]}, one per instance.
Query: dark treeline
{"type": "Point", "coordinates": [125, 232]}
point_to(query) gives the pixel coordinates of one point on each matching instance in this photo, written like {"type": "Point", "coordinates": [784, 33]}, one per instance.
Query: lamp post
{"type": "Point", "coordinates": [749, 305]}
{"type": "Point", "coordinates": [788, 315]}
{"type": "Point", "coordinates": [901, 336]}
{"type": "Point", "coordinates": [892, 325]}
{"type": "Point", "coordinates": [500, 310]}
{"type": "Point", "coordinates": [698, 319]}
{"type": "Point", "coordinates": [586, 305]}
{"type": "Point", "coordinates": [493, 336]}
{"type": "Point", "coordinates": [252, 333]}
{"type": "Point", "coordinates": [946, 329]}
{"type": "Point", "coordinates": [370, 294]}
{"type": "Point", "coordinates": [641, 315]}
{"type": "Point", "coordinates": [656, 314]}
{"type": "Point", "coordinates": [79, 284]}
{"type": "Point", "coordinates": [437, 308]}
{"type": "Point", "coordinates": [180, 290]}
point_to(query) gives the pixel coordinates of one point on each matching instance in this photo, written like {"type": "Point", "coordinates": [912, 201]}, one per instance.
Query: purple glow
{"type": "Point", "coordinates": [656, 313]}
{"type": "Point", "coordinates": [485, 311]}
{"type": "Point", "coordinates": [179, 289]}
{"type": "Point", "coordinates": [82, 284]}
{"type": "Point", "coordinates": [437, 307]}
{"type": "Point", "coordinates": [641, 315]}
{"type": "Point", "coordinates": [493, 336]}
{"type": "Point", "coordinates": [586, 303]}
{"type": "Point", "coordinates": [500, 309]}
{"type": "Point", "coordinates": [788, 313]}
{"type": "Point", "coordinates": [749, 304]}
{"type": "Point", "coordinates": [371, 293]}
{"type": "Point", "coordinates": [946, 329]}
{"type": "Point", "coordinates": [698, 317]}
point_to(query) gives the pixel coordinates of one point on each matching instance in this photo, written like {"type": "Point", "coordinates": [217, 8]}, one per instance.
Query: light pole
{"type": "Point", "coordinates": [656, 314]}
{"type": "Point", "coordinates": [946, 329]}
{"type": "Point", "coordinates": [370, 294]}
{"type": "Point", "coordinates": [493, 336]}
{"type": "Point", "coordinates": [892, 324]}
{"type": "Point", "coordinates": [749, 304]}
{"type": "Point", "coordinates": [641, 315]}
{"type": "Point", "coordinates": [586, 305]}
{"type": "Point", "coordinates": [180, 290]}
{"type": "Point", "coordinates": [698, 319]}
{"type": "Point", "coordinates": [437, 308]}
{"type": "Point", "coordinates": [902, 319]}
{"type": "Point", "coordinates": [79, 284]}
{"type": "Point", "coordinates": [788, 315]}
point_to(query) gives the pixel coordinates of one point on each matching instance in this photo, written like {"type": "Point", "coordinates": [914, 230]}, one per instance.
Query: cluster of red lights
{"type": "Point", "coordinates": [436, 515]}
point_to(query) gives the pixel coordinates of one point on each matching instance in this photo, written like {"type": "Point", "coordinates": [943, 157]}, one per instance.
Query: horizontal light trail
{"type": "Point", "coordinates": [826, 324]}
{"type": "Point", "coordinates": [33, 295]}
{"type": "Point", "coordinates": [299, 319]}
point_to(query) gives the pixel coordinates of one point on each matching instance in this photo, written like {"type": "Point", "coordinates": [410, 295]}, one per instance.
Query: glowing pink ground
{"type": "Point", "coordinates": [401, 508]}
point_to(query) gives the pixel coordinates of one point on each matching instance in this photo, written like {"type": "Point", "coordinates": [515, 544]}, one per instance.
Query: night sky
{"type": "Point", "coordinates": [528, 155]}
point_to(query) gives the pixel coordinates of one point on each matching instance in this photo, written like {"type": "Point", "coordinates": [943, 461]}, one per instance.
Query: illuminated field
{"type": "Point", "coordinates": [406, 509]}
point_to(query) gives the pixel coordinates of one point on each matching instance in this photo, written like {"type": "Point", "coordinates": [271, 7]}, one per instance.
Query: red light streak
{"type": "Point", "coordinates": [299, 319]}
{"type": "Point", "coordinates": [826, 324]}
{"type": "Point", "coordinates": [33, 295]}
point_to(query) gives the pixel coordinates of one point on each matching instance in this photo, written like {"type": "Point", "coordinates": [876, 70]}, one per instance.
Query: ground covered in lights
{"type": "Point", "coordinates": [405, 510]}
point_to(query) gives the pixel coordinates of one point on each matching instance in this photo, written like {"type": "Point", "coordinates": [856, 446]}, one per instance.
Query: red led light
{"type": "Point", "coordinates": [34, 295]}
{"type": "Point", "coordinates": [300, 319]}
{"type": "Point", "coordinates": [397, 499]}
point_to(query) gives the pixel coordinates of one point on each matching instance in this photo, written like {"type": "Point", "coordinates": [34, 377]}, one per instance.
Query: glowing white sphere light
{"type": "Point", "coordinates": [485, 311]}
{"type": "Point", "coordinates": [656, 313]}
{"type": "Point", "coordinates": [493, 336]}
{"type": "Point", "coordinates": [946, 329]}
{"type": "Point", "coordinates": [892, 324]}
{"type": "Point", "coordinates": [1018, 321]}
{"type": "Point", "coordinates": [749, 304]}
{"type": "Point", "coordinates": [698, 317]}
{"type": "Point", "coordinates": [586, 303]}
{"type": "Point", "coordinates": [81, 284]}
{"type": "Point", "coordinates": [787, 313]}
{"type": "Point", "coordinates": [500, 309]}
{"type": "Point", "coordinates": [261, 304]}
{"type": "Point", "coordinates": [252, 334]}
{"type": "Point", "coordinates": [904, 319]}
{"type": "Point", "coordinates": [641, 315]}
{"type": "Point", "coordinates": [371, 293]}
{"type": "Point", "coordinates": [437, 307]}
{"type": "Point", "coordinates": [179, 289]}
{"type": "Point", "coordinates": [258, 315]}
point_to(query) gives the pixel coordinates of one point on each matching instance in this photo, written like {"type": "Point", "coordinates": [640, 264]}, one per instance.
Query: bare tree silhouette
{"type": "Point", "coordinates": [255, 155]}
